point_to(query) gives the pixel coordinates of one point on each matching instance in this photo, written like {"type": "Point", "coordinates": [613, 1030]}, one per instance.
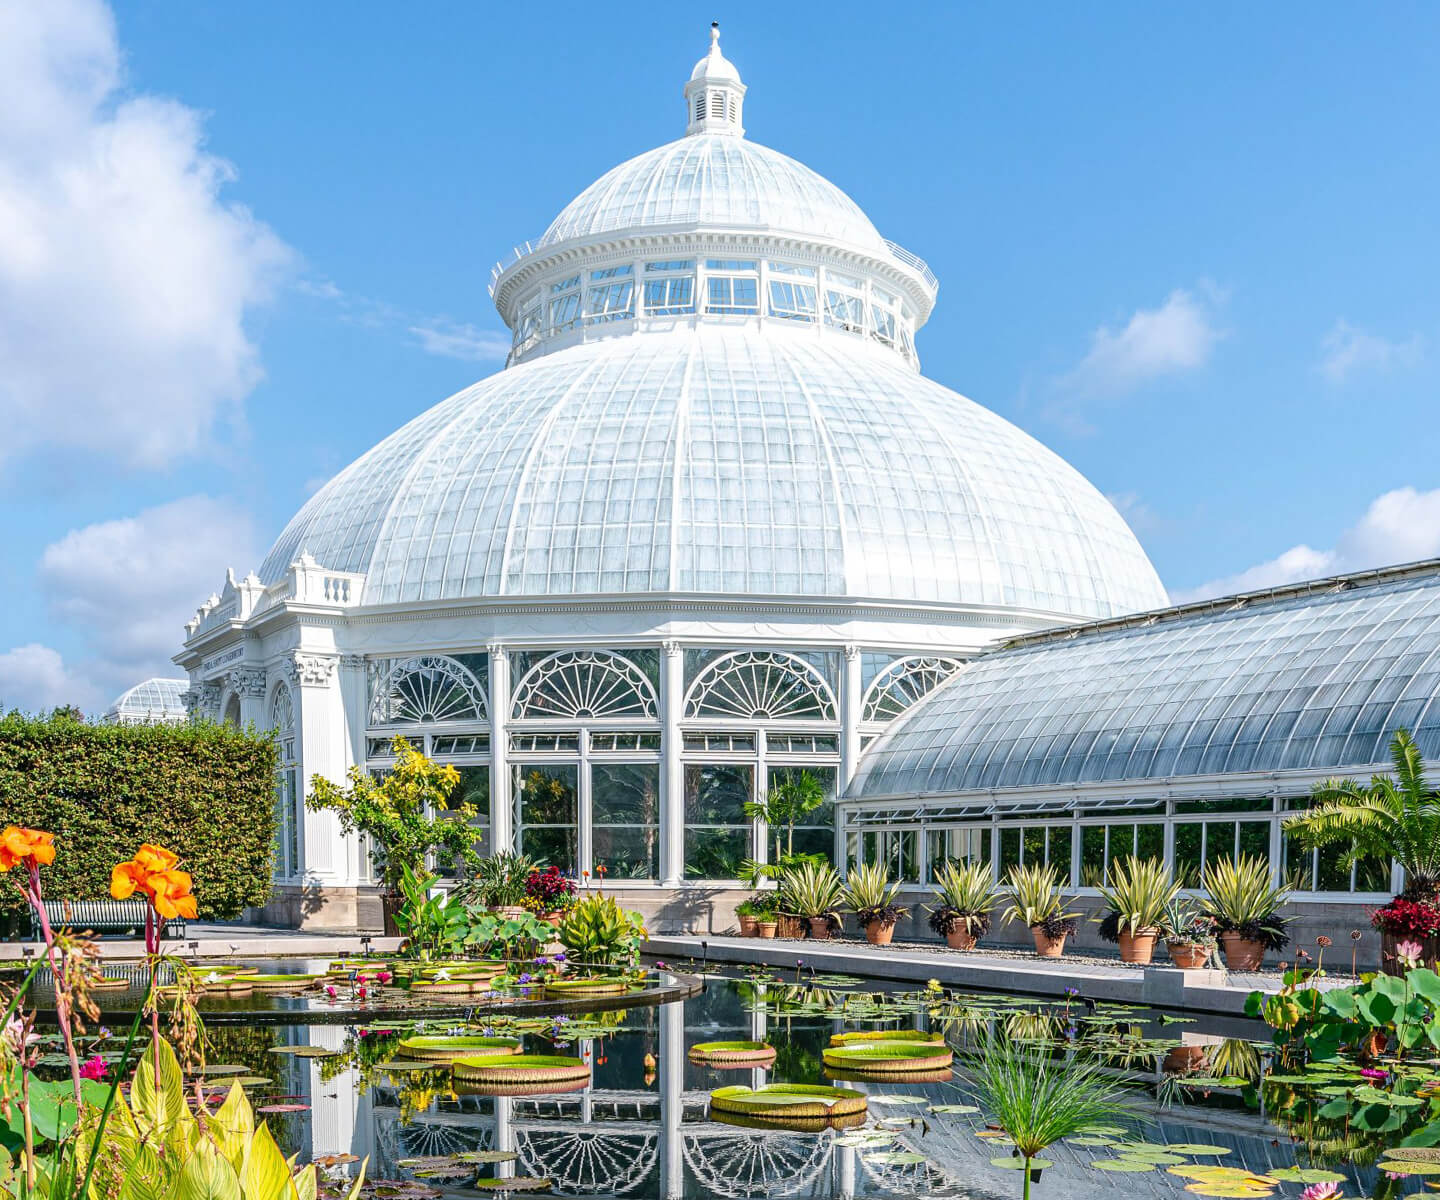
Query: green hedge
{"type": "Point", "coordinates": [205, 791]}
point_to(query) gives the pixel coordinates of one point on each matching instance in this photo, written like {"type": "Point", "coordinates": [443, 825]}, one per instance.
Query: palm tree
{"type": "Point", "coordinates": [1038, 1101]}
{"type": "Point", "coordinates": [1390, 817]}
{"type": "Point", "coordinates": [795, 795]}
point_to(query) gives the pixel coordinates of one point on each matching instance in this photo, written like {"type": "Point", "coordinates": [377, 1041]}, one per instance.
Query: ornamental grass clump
{"type": "Point", "coordinates": [965, 894]}
{"type": "Point", "coordinates": [811, 890]}
{"type": "Point", "coordinates": [1038, 1101]}
{"type": "Point", "coordinates": [1244, 905]}
{"type": "Point", "coordinates": [871, 894]}
{"type": "Point", "coordinates": [1135, 901]}
{"type": "Point", "coordinates": [1036, 901]}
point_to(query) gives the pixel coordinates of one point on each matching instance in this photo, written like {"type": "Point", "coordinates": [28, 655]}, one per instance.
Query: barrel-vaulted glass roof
{"type": "Point", "coordinates": [721, 459]}
{"type": "Point", "coordinates": [714, 180]}
{"type": "Point", "coordinates": [1312, 678]}
{"type": "Point", "coordinates": [154, 700]}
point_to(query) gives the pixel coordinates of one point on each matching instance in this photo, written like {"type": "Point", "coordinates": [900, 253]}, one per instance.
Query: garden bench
{"type": "Point", "coordinates": [100, 916]}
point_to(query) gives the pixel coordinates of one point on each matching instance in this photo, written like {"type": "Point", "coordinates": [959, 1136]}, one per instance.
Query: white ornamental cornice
{"type": "Point", "coordinates": [352, 662]}
{"type": "Point", "coordinates": [248, 682]}
{"type": "Point", "coordinates": [310, 670]}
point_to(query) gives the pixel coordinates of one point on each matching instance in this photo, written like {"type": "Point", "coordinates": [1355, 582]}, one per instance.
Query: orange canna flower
{"type": "Point", "coordinates": [18, 844]}
{"type": "Point", "coordinates": [152, 871]}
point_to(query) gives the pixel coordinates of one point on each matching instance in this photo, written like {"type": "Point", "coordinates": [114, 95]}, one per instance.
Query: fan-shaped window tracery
{"type": "Point", "coordinates": [582, 1162]}
{"type": "Point", "coordinates": [425, 690]}
{"type": "Point", "coordinates": [585, 685]}
{"type": "Point", "coordinates": [752, 1165]}
{"type": "Point", "coordinates": [905, 682]}
{"type": "Point", "coordinates": [761, 685]}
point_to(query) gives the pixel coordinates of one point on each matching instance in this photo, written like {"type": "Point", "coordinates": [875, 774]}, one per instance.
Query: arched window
{"type": "Point", "coordinates": [287, 785]}
{"type": "Point", "coordinates": [426, 690]}
{"type": "Point", "coordinates": [761, 685]}
{"type": "Point", "coordinates": [905, 682]}
{"type": "Point", "coordinates": [232, 712]}
{"type": "Point", "coordinates": [581, 685]}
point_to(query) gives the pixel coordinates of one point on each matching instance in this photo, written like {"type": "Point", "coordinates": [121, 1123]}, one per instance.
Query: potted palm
{"type": "Point", "coordinates": [811, 891]}
{"type": "Point", "coordinates": [870, 894]}
{"type": "Point", "coordinates": [499, 883]}
{"type": "Point", "coordinates": [1244, 906]}
{"type": "Point", "coordinates": [1189, 934]}
{"type": "Point", "coordinates": [964, 893]}
{"type": "Point", "coordinates": [1036, 901]}
{"type": "Point", "coordinates": [1135, 902]}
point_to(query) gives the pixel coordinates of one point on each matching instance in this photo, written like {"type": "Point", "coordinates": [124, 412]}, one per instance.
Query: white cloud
{"type": "Point", "coordinates": [452, 340]}
{"type": "Point", "coordinates": [125, 279]}
{"type": "Point", "coordinates": [34, 678]}
{"type": "Point", "coordinates": [1346, 349]}
{"type": "Point", "coordinates": [125, 588]}
{"type": "Point", "coordinates": [1399, 526]}
{"type": "Point", "coordinates": [1178, 336]}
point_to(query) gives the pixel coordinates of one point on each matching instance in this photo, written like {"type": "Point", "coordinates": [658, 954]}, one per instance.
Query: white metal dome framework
{"type": "Point", "coordinates": [710, 525]}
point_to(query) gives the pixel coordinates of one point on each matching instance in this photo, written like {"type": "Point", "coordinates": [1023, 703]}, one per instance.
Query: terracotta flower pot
{"type": "Point", "coordinates": [960, 938]}
{"type": "Point", "coordinates": [765, 929]}
{"type": "Point", "coordinates": [749, 926]}
{"type": "Point", "coordinates": [1045, 945]}
{"type": "Point", "coordinates": [1187, 955]}
{"type": "Point", "coordinates": [1241, 954]}
{"type": "Point", "coordinates": [1138, 946]}
{"type": "Point", "coordinates": [554, 918]}
{"type": "Point", "coordinates": [1183, 1059]}
{"type": "Point", "coordinates": [820, 928]}
{"type": "Point", "coordinates": [788, 926]}
{"type": "Point", "coordinates": [879, 933]}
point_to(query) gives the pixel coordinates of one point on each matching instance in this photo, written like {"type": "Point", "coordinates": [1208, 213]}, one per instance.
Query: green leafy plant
{"type": "Point", "coordinates": [762, 906]}
{"type": "Point", "coordinates": [406, 815]}
{"type": "Point", "coordinates": [1136, 898]}
{"type": "Point", "coordinates": [516, 937]}
{"type": "Point", "coordinates": [436, 924]}
{"type": "Point", "coordinates": [206, 791]}
{"type": "Point", "coordinates": [870, 894]}
{"type": "Point", "coordinates": [1244, 901]}
{"type": "Point", "coordinates": [1183, 924]}
{"type": "Point", "coordinates": [965, 894]}
{"type": "Point", "coordinates": [811, 890]}
{"type": "Point", "coordinates": [598, 931]}
{"type": "Point", "coordinates": [499, 881]}
{"type": "Point", "coordinates": [1038, 1101]}
{"type": "Point", "coordinates": [1393, 816]}
{"type": "Point", "coordinates": [794, 797]}
{"type": "Point", "coordinates": [1036, 899]}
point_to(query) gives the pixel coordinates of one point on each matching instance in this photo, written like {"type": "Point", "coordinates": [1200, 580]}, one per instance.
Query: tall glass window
{"type": "Point", "coordinates": [547, 813]}
{"type": "Point", "coordinates": [792, 301]}
{"type": "Point", "coordinates": [670, 296]}
{"type": "Point", "coordinates": [895, 849]}
{"type": "Point", "coordinates": [612, 298]}
{"type": "Point", "coordinates": [815, 833]}
{"type": "Point", "coordinates": [967, 845]}
{"type": "Point", "coordinates": [732, 295]}
{"type": "Point", "coordinates": [625, 819]}
{"type": "Point", "coordinates": [473, 788]}
{"type": "Point", "coordinates": [1025, 845]}
{"type": "Point", "coordinates": [717, 832]}
{"type": "Point", "coordinates": [287, 786]}
{"type": "Point", "coordinates": [1198, 843]}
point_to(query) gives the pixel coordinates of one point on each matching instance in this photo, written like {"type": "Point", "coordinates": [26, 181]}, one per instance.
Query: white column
{"type": "Point", "coordinates": [584, 809]}
{"type": "Point", "coordinates": [502, 826]}
{"type": "Point", "coordinates": [354, 696]}
{"type": "Point", "coordinates": [321, 729]}
{"type": "Point", "coordinates": [850, 696]}
{"type": "Point", "coordinates": [249, 684]}
{"type": "Point", "coordinates": [672, 782]}
{"type": "Point", "coordinates": [672, 1101]}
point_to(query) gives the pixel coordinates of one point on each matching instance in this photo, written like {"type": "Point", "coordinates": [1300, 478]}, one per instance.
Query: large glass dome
{"type": "Point", "coordinates": [722, 460]}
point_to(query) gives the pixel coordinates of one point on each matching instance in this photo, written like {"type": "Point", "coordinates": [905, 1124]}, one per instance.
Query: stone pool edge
{"type": "Point", "coordinates": [1200, 991]}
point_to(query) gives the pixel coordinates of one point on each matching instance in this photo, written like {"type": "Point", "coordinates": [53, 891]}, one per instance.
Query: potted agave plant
{"type": "Point", "coordinates": [964, 893]}
{"type": "Point", "coordinates": [870, 894]}
{"type": "Point", "coordinates": [811, 891]}
{"type": "Point", "coordinates": [1135, 901]}
{"type": "Point", "coordinates": [1036, 901]}
{"type": "Point", "coordinates": [1244, 906]}
{"type": "Point", "coordinates": [1189, 934]}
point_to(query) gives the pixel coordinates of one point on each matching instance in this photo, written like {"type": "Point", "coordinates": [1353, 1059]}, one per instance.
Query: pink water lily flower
{"type": "Point", "coordinates": [93, 1068]}
{"type": "Point", "coordinates": [1321, 1191]}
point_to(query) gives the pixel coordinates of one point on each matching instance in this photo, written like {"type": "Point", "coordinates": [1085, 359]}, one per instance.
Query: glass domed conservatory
{"type": "Point", "coordinates": [709, 525]}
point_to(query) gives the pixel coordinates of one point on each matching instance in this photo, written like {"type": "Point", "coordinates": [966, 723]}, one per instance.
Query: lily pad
{"type": "Point", "coordinates": [1132, 1165]}
{"type": "Point", "coordinates": [896, 1158]}
{"type": "Point", "coordinates": [952, 1108]}
{"type": "Point", "coordinates": [1197, 1148]}
{"type": "Point", "coordinates": [891, 1098]}
{"type": "Point", "coordinates": [1015, 1163]}
{"type": "Point", "coordinates": [1307, 1175]}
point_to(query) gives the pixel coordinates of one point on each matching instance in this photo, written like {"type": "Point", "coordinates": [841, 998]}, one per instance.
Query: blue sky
{"type": "Point", "coordinates": [1191, 249]}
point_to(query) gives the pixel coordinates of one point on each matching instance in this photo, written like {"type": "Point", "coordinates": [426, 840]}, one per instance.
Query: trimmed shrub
{"type": "Point", "coordinates": [205, 791]}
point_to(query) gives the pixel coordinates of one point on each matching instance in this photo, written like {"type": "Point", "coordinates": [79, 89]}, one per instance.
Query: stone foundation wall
{"type": "Point", "coordinates": [323, 909]}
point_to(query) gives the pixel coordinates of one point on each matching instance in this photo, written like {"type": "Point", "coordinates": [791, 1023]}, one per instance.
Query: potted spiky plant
{"type": "Point", "coordinates": [1036, 901]}
{"type": "Point", "coordinates": [870, 894]}
{"type": "Point", "coordinates": [965, 893]}
{"type": "Point", "coordinates": [1135, 900]}
{"type": "Point", "coordinates": [811, 891]}
{"type": "Point", "coordinates": [1245, 905]}
{"type": "Point", "coordinates": [1189, 934]}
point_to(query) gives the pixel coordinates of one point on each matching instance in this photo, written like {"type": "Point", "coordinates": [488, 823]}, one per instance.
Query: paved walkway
{"type": "Point", "coordinates": [1162, 986]}
{"type": "Point", "coordinates": [205, 939]}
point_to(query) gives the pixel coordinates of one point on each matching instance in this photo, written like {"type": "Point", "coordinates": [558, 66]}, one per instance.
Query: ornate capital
{"type": "Point", "coordinates": [203, 700]}
{"type": "Point", "coordinates": [672, 648]}
{"type": "Point", "coordinates": [852, 653]}
{"type": "Point", "coordinates": [495, 649]}
{"type": "Point", "coordinates": [310, 670]}
{"type": "Point", "coordinates": [352, 662]}
{"type": "Point", "coordinates": [248, 682]}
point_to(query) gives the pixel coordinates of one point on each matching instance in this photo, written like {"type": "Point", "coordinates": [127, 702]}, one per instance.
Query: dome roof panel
{"type": "Point", "coordinates": [720, 460]}
{"type": "Point", "coordinates": [714, 180]}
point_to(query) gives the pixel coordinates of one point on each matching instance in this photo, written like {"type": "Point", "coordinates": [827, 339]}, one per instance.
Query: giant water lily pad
{"type": "Point", "coordinates": [1307, 1175]}
{"type": "Point", "coordinates": [1134, 1165]}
